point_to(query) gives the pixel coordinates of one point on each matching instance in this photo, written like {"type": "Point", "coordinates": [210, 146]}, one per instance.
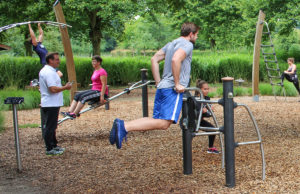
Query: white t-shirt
{"type": "Point", "coordinates": [48, 78]}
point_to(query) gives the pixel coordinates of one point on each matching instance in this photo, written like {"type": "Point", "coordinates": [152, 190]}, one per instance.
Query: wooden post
{"type": "Point", "coordinates": [67, 47]}
{"type": "Point", "coordinates": [256, 55]}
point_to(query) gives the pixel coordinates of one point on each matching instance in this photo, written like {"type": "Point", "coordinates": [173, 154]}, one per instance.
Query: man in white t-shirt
{"type": "Point", "coordinates": [51, 101]}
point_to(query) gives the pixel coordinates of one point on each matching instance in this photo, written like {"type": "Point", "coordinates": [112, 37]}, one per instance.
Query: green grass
{"type": "Point", "coordinates": [32, 98]}
{"type": "Point", "coordinates": [29, 125]}
{"type": "Point", "coordinates": [265, 89]}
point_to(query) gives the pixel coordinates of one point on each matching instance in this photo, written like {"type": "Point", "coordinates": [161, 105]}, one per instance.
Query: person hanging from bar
{"type": "Point", "coordinates": [99, 91]}
{"type": "Point", "coordinates": [38, 47]}
{"type": "Point", "coordinates": [291, 73]}
{"type": "Point", "coordinates": [203, 85]}
{"type": "Point", "coordinates": [168, 99]}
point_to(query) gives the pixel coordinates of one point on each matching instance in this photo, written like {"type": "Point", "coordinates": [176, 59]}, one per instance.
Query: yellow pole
{"type": "Point", "coordinates": [256, 55]}
{"type": "Point", "coordinates": [67, 47]}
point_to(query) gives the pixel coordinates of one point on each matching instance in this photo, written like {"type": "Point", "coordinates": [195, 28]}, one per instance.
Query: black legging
{"type": "Point", "coordinates": [211, 138]}
{"type": "Point", "coordinates": [291, 78]}
{"type": "Point", "coordinates": [87, 96]}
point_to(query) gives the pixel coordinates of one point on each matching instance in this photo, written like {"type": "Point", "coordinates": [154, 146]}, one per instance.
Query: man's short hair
{"type": "Point", "coordinates": [189, 27]}
{"type": "Point", "coordinates": [97, 58]}
{"type": "Point", "coordinates": [51, 56]}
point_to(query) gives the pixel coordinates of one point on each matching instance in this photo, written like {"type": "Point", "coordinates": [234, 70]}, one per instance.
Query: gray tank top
{"type": "Point", "coordinates": [169, 50]}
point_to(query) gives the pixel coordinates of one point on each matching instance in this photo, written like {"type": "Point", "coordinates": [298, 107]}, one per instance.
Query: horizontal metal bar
{"type": "Point", "coordinates": [267, 61]}
{"type": "Point", "coordinates": [249, 142]}
{"type": "Point", "coordinates": [209, 128]}
{"type": "Point", "coordinates": [266, 45]}
{"type": "Point", "coordinates": [277, 84]}
{"type": "Point", "coordinates": [269, 53]}
{"type": "Point", "coordinates": [203, 101]}
{"type": "Point", "coordinates": [206, 133]}
{"type": "Point", "coordinates": [271, 76]}
{"type": "Point", "coordinates": [273, 69]}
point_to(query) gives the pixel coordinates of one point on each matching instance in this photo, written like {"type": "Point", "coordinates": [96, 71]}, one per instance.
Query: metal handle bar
{"type": "Point", "coordinates": [33, 22]}
{"type": "Point", "coordinates": [134, 86]}
{"type": "Point", "coordinates": [256, 142]}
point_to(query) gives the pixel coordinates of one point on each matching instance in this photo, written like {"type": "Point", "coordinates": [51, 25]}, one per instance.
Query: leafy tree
{"type": "Point", "coordinates": [95, 17]}
{"type": "Point", "coordinates": [147, 33]}
{"type": "Point", "coordinates": [29, 10]}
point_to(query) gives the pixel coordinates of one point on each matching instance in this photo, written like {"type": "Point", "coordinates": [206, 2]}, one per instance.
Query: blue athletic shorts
{"type": "Point", "coordinates": [167, 104]}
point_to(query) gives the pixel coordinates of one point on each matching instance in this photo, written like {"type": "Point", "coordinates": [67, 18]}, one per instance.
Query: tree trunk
{"type": "Point", "coordinates": [96, 46]}
{"type": "Point", "coordinates": [95, 31]}
{"type": "Point", "coordinates": [28, 47]}
{"type": "Point", "coordinates": [212, 43]}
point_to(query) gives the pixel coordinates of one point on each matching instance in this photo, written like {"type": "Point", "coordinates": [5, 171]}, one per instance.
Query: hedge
{"type": "Point", "coordinates": [19, 71]}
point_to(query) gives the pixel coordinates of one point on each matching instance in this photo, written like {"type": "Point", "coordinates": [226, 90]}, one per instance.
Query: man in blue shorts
{"type": "Point", "coordinates": [168, 99]}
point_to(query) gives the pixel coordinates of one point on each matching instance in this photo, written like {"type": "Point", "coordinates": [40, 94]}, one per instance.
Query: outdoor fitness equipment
{"type": "Point", "coordinates": [94, 104]}
{"type": "Point", "coordinates": [15, 101]}
{"type": "Point", "coordinates": [4, 28]}
{"type": "Point", "coordinates": [190, 130]}
{"type": "Point", "coordinates": [196, 116]}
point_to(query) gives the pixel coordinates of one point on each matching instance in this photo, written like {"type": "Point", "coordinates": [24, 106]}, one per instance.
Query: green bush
{"type": "Point", "coordinates": [294, 51]}
{"type": "Point", "coordinates": [237, 67]}
{"type": "Point", "coordinates": [32, 98]}
{"type": "Point", "coordinates": [239, 91]}
{"type": "Point", "coordinates": [266, 89]}
{"type": "Point", "coordinates": [19, 71]}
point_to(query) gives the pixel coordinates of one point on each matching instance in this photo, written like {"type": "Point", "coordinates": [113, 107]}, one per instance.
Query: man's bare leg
{"type": "Point", "coordinates": [147, 123]}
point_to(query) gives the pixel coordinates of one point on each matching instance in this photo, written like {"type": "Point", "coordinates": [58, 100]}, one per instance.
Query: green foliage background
{"type": "Point", "coordinates": [19, 71]}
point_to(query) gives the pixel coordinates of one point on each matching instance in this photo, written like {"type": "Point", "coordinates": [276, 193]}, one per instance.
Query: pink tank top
{"type": "Point", "coordinates": [96, 81]}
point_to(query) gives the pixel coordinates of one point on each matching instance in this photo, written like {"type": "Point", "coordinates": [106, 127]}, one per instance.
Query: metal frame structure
{"type": "Point", "coordinates": [271, 62]}
{"type": "Point", "coordinates": [189, 131]}
{"type": "Point", "coordinates": [14, 101]}
{"type": "Point", "coordinates": [136, 85]}
{"type": "Point", "coordinates": [4, 28]}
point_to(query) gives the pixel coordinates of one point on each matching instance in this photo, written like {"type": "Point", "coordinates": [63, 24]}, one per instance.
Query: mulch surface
{"type": "Point", "coordinates": [151, 162]}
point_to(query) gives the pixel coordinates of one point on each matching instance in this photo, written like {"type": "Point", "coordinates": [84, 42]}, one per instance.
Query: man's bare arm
{"type": "Point", "coordinates": [158, 56]}
{"type": "Point", "coordinates": [177, 59]}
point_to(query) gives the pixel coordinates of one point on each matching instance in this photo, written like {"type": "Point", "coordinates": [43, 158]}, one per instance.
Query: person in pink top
{"type": "Point", "coordinates": [99, 89]}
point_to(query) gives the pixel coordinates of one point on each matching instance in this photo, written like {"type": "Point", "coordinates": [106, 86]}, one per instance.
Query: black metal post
{"type": "Point", "coordinates": [186, 141]}
{"type": "Point", "coordinates": [144, 92]}
{"type": "Point", "coordinates": [107, 104]}
{"type": "Point", "coordinates": [14, 101]}
{"type": "Point", "coordinates": [229, 131]}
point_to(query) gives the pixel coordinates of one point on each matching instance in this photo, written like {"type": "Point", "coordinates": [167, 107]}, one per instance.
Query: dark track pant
{"type": "Point", "coordinates": [293, 79]}
{"type": "Point", "coordinates": [211, 138]}
{"type": "Point", "coordinates": [49, 125]}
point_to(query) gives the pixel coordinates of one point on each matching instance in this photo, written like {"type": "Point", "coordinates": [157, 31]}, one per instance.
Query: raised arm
{"type": "Point", "coordinates": [158, 56]}
{"type": "Point", "coordinates": [32, 35]}
{"type": "Point", "coordinates": [177, 59]}
{"type": "Point", "coordinates": [41, 33]}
